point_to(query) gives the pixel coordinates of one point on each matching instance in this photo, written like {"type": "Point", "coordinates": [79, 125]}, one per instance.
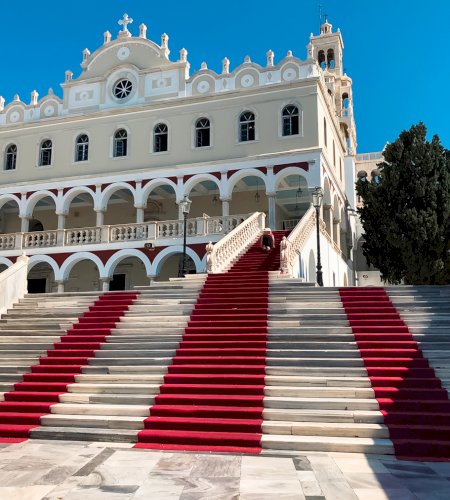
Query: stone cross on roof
{"type": "Point", "coordinates": [125, 22]}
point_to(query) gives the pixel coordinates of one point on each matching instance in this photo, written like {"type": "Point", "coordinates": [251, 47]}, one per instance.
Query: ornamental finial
{"type": "Point", "coordinates": [125, 22]}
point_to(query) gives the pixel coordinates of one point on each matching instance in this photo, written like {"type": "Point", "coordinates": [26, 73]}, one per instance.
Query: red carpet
{"type": "Point", "coordinates": [31, 399]}
{"type": "Point", "coordinates": [416, 408]}
{"type": "Point", "coordinates": [212, 396]}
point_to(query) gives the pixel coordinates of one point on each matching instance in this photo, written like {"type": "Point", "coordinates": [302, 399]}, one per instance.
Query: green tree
{"type": "Point", "coordinates": [406, 212]}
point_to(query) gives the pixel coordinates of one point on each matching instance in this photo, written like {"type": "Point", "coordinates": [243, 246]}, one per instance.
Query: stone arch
{"type": "Point", "coordinates": [73, 193]}
{"type": "Point", "coordinates": [248, 193]}
{"type": "Point", "coordinates": [111, 189]}
{"type": "Point", "coordinates": [32, 201]}
{"type": "Point", "coordinates": [162, 205]}
{"type": "Point", "coordinates": [196, 179]}
{"type": "Point", "coordinates": [73, 259]}
{"type": "Point", "coordinates": [155, 183]}
{"type": "Point", "coordinates": [4, 261]}
{"type": "Point", "coordinates": [6, 198]}
{"type": "Point", "coordinates": [241, 174]}
{"type": "Point", "coordinates": [172, 250]}
{"type": "Point", "coordinates": [123, 254]}
{"type": "Point", "coordinates": [38, 259]}
{"type": "Point", "coordinates": [204, 190]}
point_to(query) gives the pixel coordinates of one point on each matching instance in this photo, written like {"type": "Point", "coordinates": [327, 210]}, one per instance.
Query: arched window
{"type": "Point", "coordinates": [330, 58]}
{"type": "Point", "coordinates": [321, 59]}
{"type": "Point", "coordinates": [325, 131]}
{"type": "Point", "coordinates": [120, 143]}
{"type": "Point", "coordinates": [11, 157]}
{"type": "Point", "coordinates": [45, 153]}
{"type": "Point", "coordinates": [291, 121]}
{"type": "Point", "coordinates": [202, 133]}
{"type": "Point", "coordinates": [247, 126]}
{"type": "Point", "coordinates": [160, 136]}
{"type": "Point", "coordinates": [82, 148]}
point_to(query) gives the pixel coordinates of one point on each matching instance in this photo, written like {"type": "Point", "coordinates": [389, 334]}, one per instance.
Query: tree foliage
{"type": "Point", "coordinates": [406, 212]}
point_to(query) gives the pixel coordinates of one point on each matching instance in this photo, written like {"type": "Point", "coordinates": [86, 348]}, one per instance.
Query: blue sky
{"type": "Point", "coordinates": [395, 51]}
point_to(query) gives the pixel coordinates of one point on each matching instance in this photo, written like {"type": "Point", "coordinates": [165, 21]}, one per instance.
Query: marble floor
{"type": "Point", "coordinates": [50, 470]}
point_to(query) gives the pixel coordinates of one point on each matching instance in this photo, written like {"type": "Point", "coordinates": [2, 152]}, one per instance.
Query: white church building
{"type": "Point", "coordinates": [91, 182]}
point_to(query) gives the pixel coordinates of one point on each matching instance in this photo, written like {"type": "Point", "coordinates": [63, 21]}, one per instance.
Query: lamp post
{"type": "Point", "coordinates": [185, 208]}
{"type": "Point", "coordinates": [317, 197]}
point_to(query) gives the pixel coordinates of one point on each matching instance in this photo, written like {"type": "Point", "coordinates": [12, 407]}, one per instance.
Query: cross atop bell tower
{"type": "Point", "coordinates": [328, 47]}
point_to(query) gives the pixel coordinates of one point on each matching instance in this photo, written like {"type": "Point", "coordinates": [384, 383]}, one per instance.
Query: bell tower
{"type": "Point", "coordinates": [328, 47]}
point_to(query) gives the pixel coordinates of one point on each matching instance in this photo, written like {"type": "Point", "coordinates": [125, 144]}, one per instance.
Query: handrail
{"type": "Point", "coordinates": [293, 244]}
{"type": "Point", "coordinates": [220, 256]}
{"type": "Point", "coordinates": [13, 283]}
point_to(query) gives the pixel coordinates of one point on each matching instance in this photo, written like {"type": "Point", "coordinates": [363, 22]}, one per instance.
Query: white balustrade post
{"type": "Point", "coordinates": [209, 257]}
{"type": "Point", "coordinates": [104, 234]}
{"type": "Point", "coordinates": [18, 241]}
{"type": "Point", "coordinates": [105, 284]}
{"type": "Point", "coordinates": [151, 230]}
{"type": "Point", "coordinates": [272, 210]}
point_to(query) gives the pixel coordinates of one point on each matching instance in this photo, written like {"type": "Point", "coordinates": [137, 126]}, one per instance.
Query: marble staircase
{"type": "Point", "coordinates": [317, 394]}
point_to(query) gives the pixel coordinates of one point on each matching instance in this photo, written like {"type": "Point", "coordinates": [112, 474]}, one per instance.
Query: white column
{"type": "Point", "coordinates": [225, 206]}
{"type": "Point", "coordinates": [105, 284]}
{"type": "Point", "coordinates": [272, 211]}
{"type": "Point", "coordinates": [139, 214]}
{"type": "Point", "coordinates": [100, 218]}
{"type": "Point", "coordinates": [61, 221]}
{"type": "Point", "coordinates": [337, 232]}
{"type": "Point", "coordinates": [60, 284]}
{"type": "Point", "coordinates": [180, 211]}
{"type": "Point", "coordinates": [24, 223]}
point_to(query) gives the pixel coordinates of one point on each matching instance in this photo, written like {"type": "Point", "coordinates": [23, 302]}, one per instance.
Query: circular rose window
{"type": "Point", "coordinates": [122, 89]}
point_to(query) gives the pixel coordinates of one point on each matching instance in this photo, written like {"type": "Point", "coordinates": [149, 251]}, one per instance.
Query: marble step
{"type": "Point", "coordinates": [331, 429]}
{"type": "Point", "coordinates": [87, 399]}
{"type": "Point", "coordinates": [323, 415]}
{"type": "Point", "coordinates": [84, 434]}
{"type": "Point", "coordinates": [93, 421]}
{"type": "Point", "coordinates": [327, 444]}
{"type": "Point", "coordinates": [120, 410]}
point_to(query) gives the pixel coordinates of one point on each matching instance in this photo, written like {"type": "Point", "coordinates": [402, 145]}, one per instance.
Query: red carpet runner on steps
{"type": "Point", "coordinates": [416, 408]}
{"type": "Point", "coordinates": [212, 396]}
{"type": "Point", "coordinates": [40, 389]}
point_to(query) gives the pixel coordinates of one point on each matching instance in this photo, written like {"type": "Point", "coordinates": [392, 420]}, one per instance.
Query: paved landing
{"type": "Point", "coordinates": [48, 470]}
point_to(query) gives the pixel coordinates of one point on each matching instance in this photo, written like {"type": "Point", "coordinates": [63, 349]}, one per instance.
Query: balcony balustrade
{"type": "Point", "coordinates": [153, 231]}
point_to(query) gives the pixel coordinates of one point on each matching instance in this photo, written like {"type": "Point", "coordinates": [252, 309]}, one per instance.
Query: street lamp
{"type": "Point", "coordinates": [317, 197]}
{"type": "Point", "coordinates": [185, 208]}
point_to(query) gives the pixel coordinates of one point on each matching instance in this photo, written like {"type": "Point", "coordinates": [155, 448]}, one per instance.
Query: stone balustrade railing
{"type": "Point", "coordinates": [13, 283]}
{"type": "Point", "coordinates": [155, 230]}
{"type": "Point", "coordinates": [293, 244]}
{"type": "Point", "coordinates": [220, 256]}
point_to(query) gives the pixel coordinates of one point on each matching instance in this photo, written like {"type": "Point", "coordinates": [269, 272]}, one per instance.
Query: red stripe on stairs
{"type": "Point", "coordinates": [416, 408]}
{"type": "Point", "coordinates": [31, 399]}
{"type": "Point", "coordinates": [212, 396]}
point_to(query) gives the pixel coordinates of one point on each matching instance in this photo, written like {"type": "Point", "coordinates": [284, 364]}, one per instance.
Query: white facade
{"type": "Point", "coordinates": [89, 178]}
